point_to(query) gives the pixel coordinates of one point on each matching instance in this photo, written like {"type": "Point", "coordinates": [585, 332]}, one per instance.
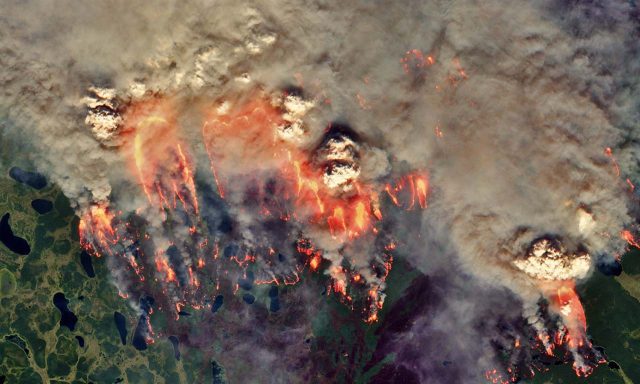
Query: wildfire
{"type": "Point", "coordinates": [414, 58]}
{"type": "Point", "coordinates": [282, 179]}
{"type": "Point", "coordinates": [96, 227]}
{"type": "Point", "coordinates": [564, 301]}
{"type": "Point", "coordinates": [157, 155]}
{"type": "Point", "coordinates": [162, 265]}
{"type": "Point", "coordinates": [629, 238]}
{"type": "Point", "coordinates": [609, 153]}
{"type": "Point", "coordinates": [256, 124]}
{"type": "Point", "coordinates": [407, 190]}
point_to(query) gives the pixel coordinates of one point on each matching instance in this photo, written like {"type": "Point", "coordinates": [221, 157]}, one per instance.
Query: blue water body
{"type": "Point", "coordinates": [176, 346]}
{"type": "Point", "coordinates": [42, 206]}
{"type": "Point", "coordinates": [274, 304]}
{"type": "Point", "coordinates": [68, 318]}
{"type": "Point", "coordinates": [248, 298]}
{"type": "Point", "coordinates": [87, 263]}
{"type": "Point", "coordinates": [217, 372]}
{"type": "Point", "coordinates": [139, 340]}
{"type": "Point", "coordinates": [32, 179]}
{"type": "Point", "coordinates": [217, 303]}
{"type": "Point", "coordinates": [246, 283]}
{"type": "Point", "coordinates": [609, 267]}
{"type": "Point", "coordinates": [231, 250]}
{"type": "Point", "coordinates": [80, 341]}
{"type": "Point", "coordinates": [14, 243]}
{"type": "Point", "coordinates": [121, 324]}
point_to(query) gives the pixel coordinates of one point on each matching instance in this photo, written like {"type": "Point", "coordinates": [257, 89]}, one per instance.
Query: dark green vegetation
{"type": "Point", "coordinates": [34, 347]}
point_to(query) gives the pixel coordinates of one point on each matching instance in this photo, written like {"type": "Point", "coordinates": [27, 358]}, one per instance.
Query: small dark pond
{"type": "Point", "coordinates": [32, 179]}
{"type": "Point", "coordinates": [121, 324]}
{"type": "Point", "coordinates": [87, 263]}
{"type": "Point", "coordinates": [68, 318]}
{"type": "Point", "coordinates": [14, 243]}
{"type": "Point", "coordinates": [217, 303]}
{"type": "Point", "coordinates": [42, 206]}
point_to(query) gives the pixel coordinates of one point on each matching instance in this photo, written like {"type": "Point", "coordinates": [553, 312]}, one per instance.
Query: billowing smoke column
{"type": "Point", "coordinates": [194, 172]}
{"type": "Point", "coordinates": [555, 270]}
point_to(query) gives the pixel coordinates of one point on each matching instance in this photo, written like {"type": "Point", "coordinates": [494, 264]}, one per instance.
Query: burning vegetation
{"type": "Point", "coordinates": [291, 209]}
{"type": "Point", "coordinates": [297, 205]}
{"type": "Point", "coordinates": [558, 331]}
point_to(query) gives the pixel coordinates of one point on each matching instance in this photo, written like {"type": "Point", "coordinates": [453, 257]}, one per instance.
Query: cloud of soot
{"type": "Point", "coordinates": [511, 118]}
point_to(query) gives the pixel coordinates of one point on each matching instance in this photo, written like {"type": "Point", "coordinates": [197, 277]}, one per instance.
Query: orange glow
{"type": "Point", "coordinates": [339, 287]}
{"type": "Point", "coordinates": [405, 191]}
{"type": "Point", "coordinates": [336, 221]}
{"type": "Point", "coordinates": [609, 153]}
{"type": "Point", "coordinates": [422, 188]}
{"type": "Point", "coordinates": [438, 132]}
{"type": "Point", "coordinates": [493, 376]}
{"type": "Point", "coordinates": [156, 155]}
{"type": "Point", "coordinates": [96, 225]}
{"type": "Point", "coordinates": [564, 300]}
{"type": "Point", "coordinates": [362, 218]}
{"type": "Point", "coordinates": [414, 58]}
{"type": "Point", "coordinates": [632, 187]}
{"type": "Point", "coordinates": [314, 263]}
{"type": "Point", "coordinates": [246, 146]}
{"type": "Point", "coordinates": [162, 265]}
{"type": "Point", "coordinates": [254, 124]}
{"type": "Point", "coordinates": [629, 238]}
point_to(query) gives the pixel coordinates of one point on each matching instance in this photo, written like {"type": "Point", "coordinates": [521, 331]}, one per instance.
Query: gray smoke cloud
{"type": "Point", "coordinates": [509, 105]}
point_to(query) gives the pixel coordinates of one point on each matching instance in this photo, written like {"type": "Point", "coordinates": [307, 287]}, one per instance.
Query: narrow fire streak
{"type": "Point", "coordinates": [629, 238]}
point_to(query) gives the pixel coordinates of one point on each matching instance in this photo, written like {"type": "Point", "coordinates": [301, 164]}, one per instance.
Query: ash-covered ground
{"type": "Point", "coordinates": [436, 179]}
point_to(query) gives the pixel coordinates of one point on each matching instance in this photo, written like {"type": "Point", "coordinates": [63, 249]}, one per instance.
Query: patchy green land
{"type": "Point", "coordinates": [34, 348]}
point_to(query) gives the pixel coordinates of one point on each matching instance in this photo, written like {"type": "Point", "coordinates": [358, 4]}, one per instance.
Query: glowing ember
{"type": "Point", "coordinates": [629, 238]}
{"type": "Point", "coordinates": [407, 190]}
{"type": "Point", "coordinates": [564, 301]}
{"type": "Point", "coordinates": [96, 228]}
{"type": "Point", "coordinates": [416, 59]}
{"type": "Point", "coordinates": [609, 153]}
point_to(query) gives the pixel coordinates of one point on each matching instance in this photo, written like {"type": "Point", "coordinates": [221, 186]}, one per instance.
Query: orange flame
{"type": "Point", "coordinates": [609, 153]}
{"type": "Point", "coordinates": [162, 265]}
{"type": "Point", "coordinates": [96, 225]}
{"type": "Point", "coordinates": [407, 189]}
{"type": "Point", "coordinates": [564, 301]}
{"type": "Point", "coordinates": [156, 155]}
{"type": "Point", "coordinates": [629, 238]}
